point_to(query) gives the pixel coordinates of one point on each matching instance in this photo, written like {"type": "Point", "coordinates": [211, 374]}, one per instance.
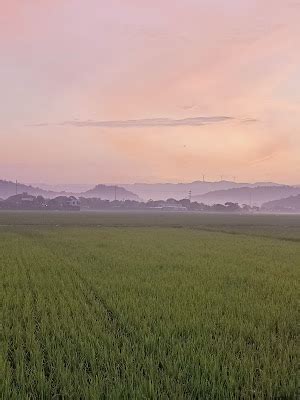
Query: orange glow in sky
{"type": "Point", "coordinates": [134, 90]}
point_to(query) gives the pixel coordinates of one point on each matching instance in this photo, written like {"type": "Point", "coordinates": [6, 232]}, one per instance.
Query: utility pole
{"type": "Point", "coordinates": [190, 196]}
{"type": "Point", "coordinates": [203, 178]}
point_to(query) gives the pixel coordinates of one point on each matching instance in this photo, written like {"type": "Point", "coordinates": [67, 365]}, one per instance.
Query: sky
{"type": "Point", "coordinates": [121, 91]}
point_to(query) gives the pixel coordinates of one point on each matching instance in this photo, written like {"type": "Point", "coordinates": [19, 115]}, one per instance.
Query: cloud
{"type": "Point", "coordinates": [41, 124]}
{"type": "Point", "coordinates": [249, 121]}
{"type": "Point", "coordinates": [189, 107]}
{"type": "Point", "coordinates": [144, 123]}
{"type": "Point", "coordinates": [269, 151]}
{"type": "Point", "coordinates": [263, 159]}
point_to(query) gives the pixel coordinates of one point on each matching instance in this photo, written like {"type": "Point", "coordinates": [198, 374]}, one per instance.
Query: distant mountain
{"type": "Point", "coordinates": [206, 192]}
{"type": "Point", "coordinates": [8, 189]}
{"type": "Point", "coordinates": [67, 187]}
{"type": "Point", "coordinates": [289, 204]}
{"type": "Point", "coordinates": [248, 195]}
{"type": "Point", "coordinates": [178, 191]}
{"type": "Point", "coordinates": [105, 192]}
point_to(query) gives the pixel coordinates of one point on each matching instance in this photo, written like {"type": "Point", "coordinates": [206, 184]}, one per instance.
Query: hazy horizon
{"type": "Point", "coordinates": [163, 182]}
{"type": "Point", "coordinates": [139, 91]}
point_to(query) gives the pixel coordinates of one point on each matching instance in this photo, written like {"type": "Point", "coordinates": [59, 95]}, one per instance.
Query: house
{"type": "Point", "coordinates": [73, 202]}
{"type": "Point", "coordinates": [25, 197]}
{"type": "Point", "coordinates": [175, 207]}
{"type": "Point", "coordinates": [23, 201]}
{"type": "Point", "coordinates": [64, 203]}
{"type": "Point", "coordinates": [21, 198]}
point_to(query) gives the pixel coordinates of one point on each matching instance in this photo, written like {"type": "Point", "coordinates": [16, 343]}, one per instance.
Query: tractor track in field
{"type": "Point", "coordinates": [125, 335]}
{"type": "Point", "coordinates": [47, 367]}
{"type": "Point", "coordinates": [92, 297]}
{"type": "Point", "coordinates": [96, 301]}
{"type": "Point", "coordinates": [238, 233]}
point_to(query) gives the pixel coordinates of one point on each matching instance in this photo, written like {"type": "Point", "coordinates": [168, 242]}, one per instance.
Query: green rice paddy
{"type": "Point", "coordinates": [148, 306]}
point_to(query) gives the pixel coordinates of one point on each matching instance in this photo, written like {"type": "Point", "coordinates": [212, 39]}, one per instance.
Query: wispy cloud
{"type": "Point", "coordinates": [143, 123]}
{"type": "Point", "coordinates": [249, 121]}
{"type": "Point", "coordinates": [263, 159]}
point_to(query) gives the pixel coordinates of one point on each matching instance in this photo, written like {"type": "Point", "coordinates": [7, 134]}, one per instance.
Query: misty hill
{"type": "Point", "coordinates": [163, 191]}
{"type": "Point", "coordinates": [105, 192]}
{"type": "Point", "coordinates": [8, 189]}
{"type": "Point", "coordinates": [289, 204]}
{"type": "Point", "coordinates": [248, 195]}
{"type": "Point", "coordinates": [64, 188]}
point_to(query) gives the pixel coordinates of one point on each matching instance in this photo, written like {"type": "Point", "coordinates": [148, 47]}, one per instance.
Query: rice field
{"type": "Point", "coordinates": [149, 306]}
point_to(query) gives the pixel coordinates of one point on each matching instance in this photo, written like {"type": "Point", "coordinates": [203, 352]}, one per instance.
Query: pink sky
{"type": "Point", "coordinates": [134, 90]}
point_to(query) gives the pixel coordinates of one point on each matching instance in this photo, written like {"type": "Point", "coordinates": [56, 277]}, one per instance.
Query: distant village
{"type": "Point", "coordinates": [27, 201]}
